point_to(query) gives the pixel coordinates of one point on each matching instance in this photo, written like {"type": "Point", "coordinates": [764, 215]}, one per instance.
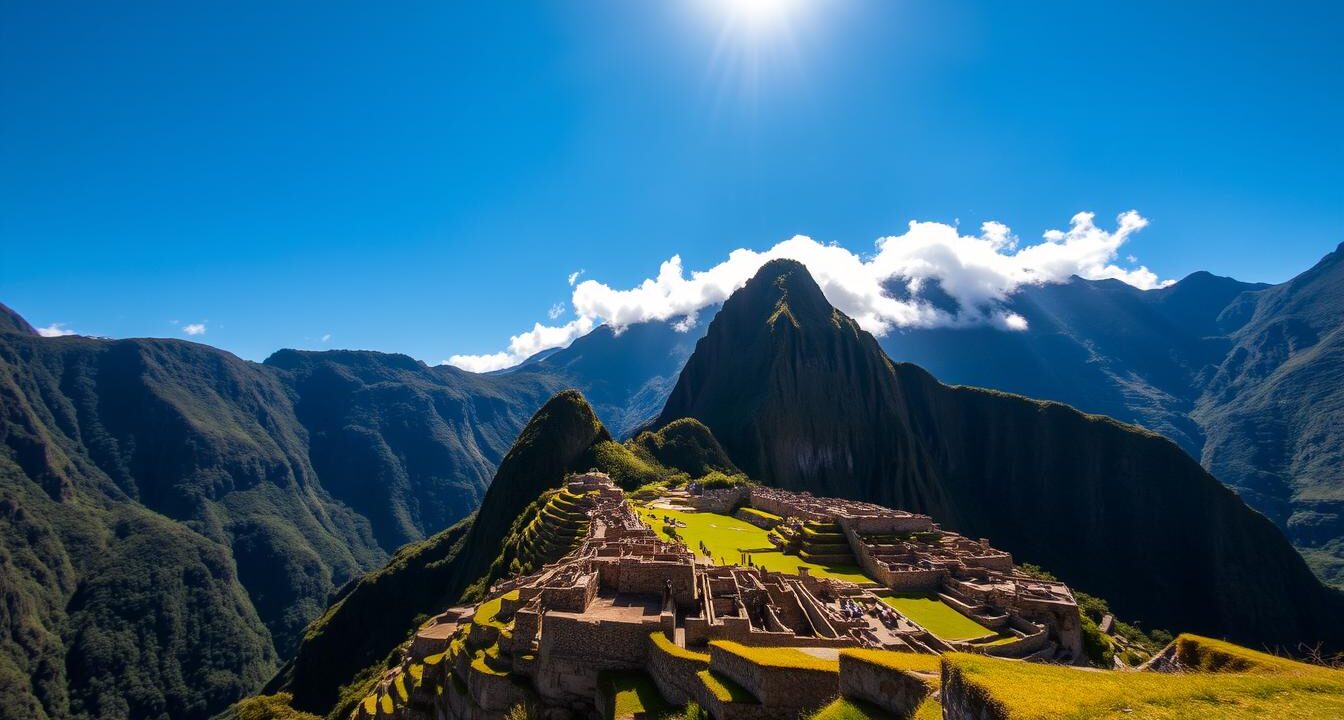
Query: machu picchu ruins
{"type": "Point", "coordinates": [808, 599]}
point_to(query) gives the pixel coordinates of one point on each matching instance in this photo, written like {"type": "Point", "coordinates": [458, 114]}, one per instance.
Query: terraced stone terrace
{"type": "Point", "coordinates": [694, 599]}
{"type": "Point", "coordinates": [729, 541]}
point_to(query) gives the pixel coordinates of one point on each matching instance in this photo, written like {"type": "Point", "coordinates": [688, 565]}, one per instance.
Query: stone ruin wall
{"type": "Point", "coordinates": [899, 693]}
{"type": "Point", "coordinates": [674, 676]}
{"type": "Point", "coordinates": [574, 598]}
{"type": "Point", "coordinates": [601, 644]}
{"type": "Point", "coordinates": [722, 501]}
{"type": "Point", "coordinates": [783, 689]}
{"type": "Point", "coordinates": [650, 578]}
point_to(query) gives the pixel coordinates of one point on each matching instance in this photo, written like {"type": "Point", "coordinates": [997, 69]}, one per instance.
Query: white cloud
{"type": "Point", "coordinates": [574, 276]}
{"type": "Point", "coordinates": [556, 311]}
{"type": "Point", "coordinates": [978, 272]}
{"type": "Point", "coordinates": [55, 330]}
{"type": "Point", "coordinates": [522, 346]}
{"type": "Point", "coordinates": [326, 338]}
{"type": "Point", "coordinates": [194, 329]}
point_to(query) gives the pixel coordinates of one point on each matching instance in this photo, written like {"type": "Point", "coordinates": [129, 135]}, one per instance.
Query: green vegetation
{"type": "Point", "coordinates": [626, 468]}
{"type": "Point", "coordinates": [761, 514]}
{"type": "Point", "coordinates": [543, 532]}
{"type": "Point", "coordinates": [1099, 648]}
{"type": "Point", "coordinates": [777, 657]}
{"type": "Point", "coordinates": [899, 661]}
{"type": "Point", "coordinates": [343, 651]}
{"type": "Point", "coordinates": [634, 696]}
{"type": "Point", "coordinates": [926, 667]}
{"type": "Point", "coordinates": [937, 617]}
{"type": "Point", "coordinates": [267, 707]}
{"type": "Point", "coordinates": [715, 480]}
{"type": "Point", "coordinates": [1201, 654]}
{"type": "Point", "coordinates": [727, 537]}
{"type": "Point", "coordinates": [685, 444]}
{"type": "Point", "coordinates": [174, 517]}
{"type": "Point", "coordinates": [665, 645]}
{"type": "Point", "coordinates": [724, 688]}
{"type": "Point", "coordinates": [1267, 687]}
{"type": "Point", "coordinates": [487, 613]}
{"type": "Point", "coordinates": [846, 709]}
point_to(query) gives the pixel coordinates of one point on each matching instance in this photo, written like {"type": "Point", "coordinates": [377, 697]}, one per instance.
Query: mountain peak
{"type": "Point", "coordinates": [552, 440]}
{"type": "Point", "coordinates": [782, 290]}
{"type": "Point", "coordinates": [11, 321]}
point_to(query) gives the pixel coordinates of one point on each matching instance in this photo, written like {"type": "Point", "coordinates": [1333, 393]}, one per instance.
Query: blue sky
{"type": "Point", "coordinates": [423, 178]}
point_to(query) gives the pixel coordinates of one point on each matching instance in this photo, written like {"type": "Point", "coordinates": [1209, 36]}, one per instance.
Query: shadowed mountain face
{"type": "Point", "coordinates": [1100, 345]}
{"type": "Point", "coordinates": [159, 498]}
{"type": "Point", "coordinates": [801, 398]}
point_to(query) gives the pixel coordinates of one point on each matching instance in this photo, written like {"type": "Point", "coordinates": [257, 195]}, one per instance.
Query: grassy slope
{"type": "Point", "coordinates": [635, 696]}
{"type": "Point", "coordinates": [1259, 685]}
{"type": "Point", "coordinates": [935, 616]}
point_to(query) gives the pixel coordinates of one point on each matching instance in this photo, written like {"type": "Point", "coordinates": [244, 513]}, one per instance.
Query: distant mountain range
{"type": "Point", "coordinates": [160, 496]}
{"type": "Point", "coordinates": [172, 517]}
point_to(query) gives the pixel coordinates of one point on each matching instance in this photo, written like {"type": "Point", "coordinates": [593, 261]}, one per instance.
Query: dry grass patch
{"type": "Point", "coordinates": [1267, 687]}
{"type": "Point", "coordinates": [777, 657]}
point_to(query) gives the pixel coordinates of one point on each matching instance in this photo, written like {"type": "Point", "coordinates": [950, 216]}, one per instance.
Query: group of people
{"type": "Point", "coordinates": [853, 610]}
{"type": "Point", "coordinates": [887, 616]}
{"type": "Point", "coordinates": [850, 610]}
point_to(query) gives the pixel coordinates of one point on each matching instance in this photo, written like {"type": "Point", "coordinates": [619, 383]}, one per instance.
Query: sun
{"type": "Point", "coordinates": [757, 18]}
{"type": "Point", "coordinates": [758, 44]}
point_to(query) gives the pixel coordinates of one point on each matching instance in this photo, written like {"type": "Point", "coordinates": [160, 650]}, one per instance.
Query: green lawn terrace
{"type": "Point", "coordinates": [934, 590]}
{"type": "Point", "coordinates": [938, 618]}
{"type": "Point", "coordinates": [726, 540]}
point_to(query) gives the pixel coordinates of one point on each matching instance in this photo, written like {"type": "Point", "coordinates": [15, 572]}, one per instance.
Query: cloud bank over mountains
{"type": "Point", "coordinates": [930, 276]}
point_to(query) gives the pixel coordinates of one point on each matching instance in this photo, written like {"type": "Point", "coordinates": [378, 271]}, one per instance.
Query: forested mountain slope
{"type": "Point", "coordinates": [173, 517]}
{"type": "Point", "coordinates": [1274, 409]}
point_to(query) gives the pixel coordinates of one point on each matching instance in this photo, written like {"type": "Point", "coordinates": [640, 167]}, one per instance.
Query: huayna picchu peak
{"type": "Point", "coordinates": [815, 405]}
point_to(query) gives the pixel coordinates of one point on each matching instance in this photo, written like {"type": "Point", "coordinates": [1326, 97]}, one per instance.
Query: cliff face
{"type": "Point", "coordinates": [802, 398]}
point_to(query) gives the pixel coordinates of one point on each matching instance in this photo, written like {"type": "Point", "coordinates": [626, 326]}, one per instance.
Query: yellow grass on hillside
{"type": "Point", "coordinates": [1261, 686]}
